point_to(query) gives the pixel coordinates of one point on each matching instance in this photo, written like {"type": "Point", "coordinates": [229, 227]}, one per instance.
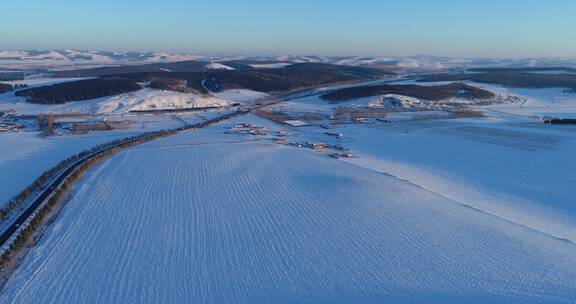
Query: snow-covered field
{"type": "Point", "coordinates": [468, 210]}
{"type": "Point", "coordinates": [25, 156]}
{"type": "Point", "coordinates": [508, 163]}
{"type": "Point", "coordinates": [540, 103]}
{"type": "Point", "coordinates": [232, 222]}
{"type": "Point", "coordinates": [551, 102]}
{"type": "Point", "coordinates": [240, 95]}
{"type": "Point", "coordinates": [522, 172]}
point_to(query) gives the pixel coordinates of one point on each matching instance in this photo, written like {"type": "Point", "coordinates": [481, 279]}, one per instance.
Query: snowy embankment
{"type": "Point", "coordinates": [258, 223]}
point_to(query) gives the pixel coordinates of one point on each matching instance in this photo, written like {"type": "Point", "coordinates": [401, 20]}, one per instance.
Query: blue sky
{"type": "Point", "coordinates": [488, 28]}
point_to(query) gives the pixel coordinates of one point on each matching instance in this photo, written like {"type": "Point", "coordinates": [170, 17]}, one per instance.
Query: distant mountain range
{"type": "Point", "coordinates": [95, 56]}
{"type": "Point", "coordinates": [81, 59]}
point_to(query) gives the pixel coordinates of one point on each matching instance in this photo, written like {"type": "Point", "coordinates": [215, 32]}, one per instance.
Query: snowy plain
{"type": "Point", "coordinates": [255, 222]}
{"type": "Point", "coordinates": [468, 210]}
{"type": "Point", "coordinates": [240, 95]}
{"type": "Point", "coordinates": [508, 163]}
{"type": "Point", "coordinates": [26, 155]}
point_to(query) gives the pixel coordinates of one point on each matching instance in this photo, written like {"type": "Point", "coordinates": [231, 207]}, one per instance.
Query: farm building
{"type": "Point", "coordinates": [296, 123]}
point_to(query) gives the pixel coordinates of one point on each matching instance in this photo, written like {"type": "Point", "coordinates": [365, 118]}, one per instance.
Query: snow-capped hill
{"type": "Point", "coordinates": [12, 54]}
{"type": "Point", "coordinates": [363, 60]}
{"type": "Point", "coordinates": [167, 57]}
{"type": "Point", "coordinates": [94, 56]}
{"type": "Point", "coordinates": [52, 55]}
{"type": "Point", "coordinates": [32, 55]}
{"type": "Point", "coordinates": [413, 62]}
{"type": "Point", "coordinates": [55, 59]}
{"type": "Point", "coordinates": [420, 64]}
{"type": "Point", "coordinates": [295, 58]}
{"type": "Point", "coordinates": [219, 66]}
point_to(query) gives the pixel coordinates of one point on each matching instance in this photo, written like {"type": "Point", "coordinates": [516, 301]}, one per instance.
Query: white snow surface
{"type": "Point", "coordinates": [219, 66]}
{"type": "Point", "coordinates": [145, 99]}
{"type": "Point", "coordinates": [240, 95]}
{"type": "Point", "coordinates": [509, 164]}
{"type": "Point", "coordinates": [148, 99]}
{"type": "Point", "coordinates": [547, 102]}
{"type": "Point", "coordinates": [270, 65]}
{"type": "Point", "coordinates": [521, 172]}
{"type": "Point", "coordinates": [471, 210]}
{"type": "Point", "coordinates": [251, 222]}
{"type": "Point", "coordinates": [24, 156]}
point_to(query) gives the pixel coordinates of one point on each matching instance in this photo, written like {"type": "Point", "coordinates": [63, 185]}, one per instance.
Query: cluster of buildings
{"type": "Point", "coordinates": [296, 123]}
{"type": "Point", "coordinates": [254, 130]}
{"type": "Point", "coordinates": [395, 101]}
{"type": "Point", "coordinates": [249, 129]}
{"type": "Point", "coordinates": [279, 137]}
{"type": "Point", "coordinates": [9, 123]}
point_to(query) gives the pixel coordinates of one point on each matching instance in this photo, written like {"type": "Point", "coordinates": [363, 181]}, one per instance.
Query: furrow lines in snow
{"type": "Point", "coordinates": [256, 223]}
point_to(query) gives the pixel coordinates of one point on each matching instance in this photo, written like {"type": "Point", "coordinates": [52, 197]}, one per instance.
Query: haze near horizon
{"type": "Point", "coordinates": [373, 28]}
